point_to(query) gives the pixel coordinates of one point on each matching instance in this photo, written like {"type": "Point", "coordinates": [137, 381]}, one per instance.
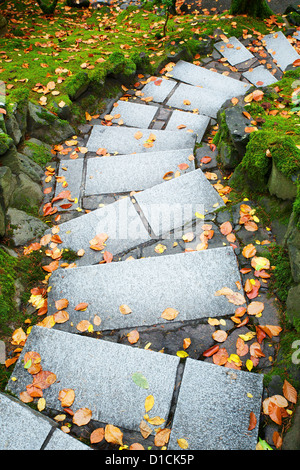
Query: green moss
{"type": "Point", "coordinates": [296, 206]}
{"type": "Point", "coordinates": [5, 142]}
{"type": "Point", "coordinates": [74, 83]}
{"type": "Point", "coordinates": [39, 154]}
{"type": "Point", "coordinates": [255, 8]}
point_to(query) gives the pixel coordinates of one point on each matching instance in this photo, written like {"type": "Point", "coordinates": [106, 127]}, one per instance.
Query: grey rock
{"type": "Point", "coordinates": [260, 74]}
{"type": "Point", "coordinates": [121, 140]}
{"type": "Point", "coordinates": [195, 122]}
{"type": "Point", "coordinates": [2, 352]}
{"type": "Point", "coordinates": [236, 54]}
{"type": "Point", "coordinates": [181, 281]}
{"type": "Point", "coordinates": [133, 172]}
{"type": "Point", "coordinates": [46, 126]}
{"type": "Point", "coordinates": [199, 76]}
{"type": "Point", "coordinates": [134, 114]}
{"type": "Point", "coordinates": [108, 377]}
{"type": "Point", "coordinates": [24, 227]}
{"type": "Point", "coordinates": [281, 186]}
{"type": "Point", "coordinates": [30, 168]}
{"type": "Point", "coordinates": [71, 170]}
{"type": "Point", "coordinates": [170, 205]}
{"type": "Point", "coordinates": [205, 101]}
{"type": "Point", "coordinates": [291, 440]}
{"type": "Point", "coordinates": [118, 220]}
{"type": "Point", "coordinates": [205, 419]}
{"type": "Point", "coordinates": [7, 185]}
{"type": "Point", "coordinates": [158, 92]}
{"type": "Point", "coordinates": [27, 193]}
{"type": "Point", "coordinates": [281, 50]}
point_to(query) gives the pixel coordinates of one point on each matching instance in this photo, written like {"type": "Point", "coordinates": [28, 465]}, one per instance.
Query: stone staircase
{"type": "Point", "coordinates": [144, 214]}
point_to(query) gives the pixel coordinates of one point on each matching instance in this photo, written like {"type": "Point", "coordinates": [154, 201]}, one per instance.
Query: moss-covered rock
{"type": "Point", "coordinates": [76, 85]}
{"type": "Point", "coordinates": [281, 186]}
{"type": "Point", "coordinates": [5, 142]}
{"type": "Point", "coordinates": [46, 127]}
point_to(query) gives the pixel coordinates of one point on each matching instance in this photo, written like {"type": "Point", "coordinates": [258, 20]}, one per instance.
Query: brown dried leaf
{"type": "Point", "coordinates": [113, 434]}
{"type": "Point", "coordinates": [82, 416]}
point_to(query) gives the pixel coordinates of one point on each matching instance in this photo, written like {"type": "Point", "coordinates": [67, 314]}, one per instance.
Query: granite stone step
{"type": "Point", "coordinates": [102, 375]}
{"type": "Point", "coordinates": [134, 172]}
{"type": "Point", "coordinates": [70, 173]}
{"type": "Point", "coordinates": [214, 406]}
{"type": "Point", "coordinates": [23, 428]}
{"type": "Point", "coordinates": [133, 114]}
{"type": "Point", "coordinates": [201, 77]}
{"type": "Point", "coordinates": [122, 140]}
{"type": "Point", "coordinates": [118, 220]}
{"type": "Point", "coordinates": [280, 49]}
{"type": "Point", "coordinates": [186, 282]}
{"type": "Point", "coordinates": [187, 122]}
{"type": "Point", "coordinates": [260, 76]}
{"type": "Point", "coordinates": [233, 50]}
{"type": "Point", "coordinates": [172, 204]}
{"type": "Point", "coordinates": [158, 90]}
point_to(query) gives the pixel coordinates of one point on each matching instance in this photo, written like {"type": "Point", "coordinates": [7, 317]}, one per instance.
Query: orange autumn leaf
{"type": "Point", "coordinates": [97, 435]}
{"type": "Point", "coordinates": [252, 421]}
{"type": "Point", "coordinates": [82, 416]}
{"type": "Point", "coordinates": [61, 304]}
{"type": "Point", "coordinates": [289, 392]}
{"type": "Point", "coordinates": [138, 135]}
{"type": "Point", "coordinates": [83, 325]}
{"type": "Point", "coordinates": [133, 336]}
{"type": "Point", "coordinates": [162, 437]}
{"type": "Point", "coordinates": [219, 335]}
{"type": "Point", "coordinates": [220, 357]}
{"type": "Point", "coordinates": [249, 251]}
{"type": "Point", "coordinates": [43, 379]}
{"type": "Point", "coordinates": [169, 313]}
{"type": "Point", "coordinates": [226, 228]}
{"type": "Point", "coordinates": [66, 397]}
{"type": "Point", "coordinates": [81, 306]}
{"type": "Point", "coordinates": [61, 316]}
{"type": "Point", "coordinates": [113, 435]}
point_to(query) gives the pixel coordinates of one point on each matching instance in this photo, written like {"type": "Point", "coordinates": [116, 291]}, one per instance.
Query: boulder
{"type": "Point", "coordinates": [45, 126]}
{"type": "Point", "coordinates": [12, 126]}
{"type": "Point", "coordinates": [293, 304]}
{"type": "Point", "coordinates": [30, 168]}
{"type": "Point", "coordinates": [7, 185]}
{"type": "Point", "coordinates": [27, 194]}
{"type": "Point", "coordinates": [24, 227]}
{"type": "Point", "coordinates": [281, 186]}
{"type": "Point", "coordinates": [292, 242]}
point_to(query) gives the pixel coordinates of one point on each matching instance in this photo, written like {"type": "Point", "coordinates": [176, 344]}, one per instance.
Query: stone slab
{"type": "Point", "coordinates": [158, 90]}
{"type": "Point", "coordinates": [199, 76]}
{"type": "Point", "coordinates": [205, 101]}
{"type": "Point", "coordinates": [184, 281]}
{"type": "Point", "coordinates": [297, 35]}
{"type": "Point", "coordinates": [213, 408]}
{"type": "Point", "coordinates": [133, 114]}
{"type": "Point", "coordinates": [174, 203]}
{"type": "Point", "coordinates": [62, 441]}
{"type": "Point", "coordinates": [280, 48]}
{"type": "Point", "coordinates": [260, 76]}
{"type": "Point", "coordinates": [195, 122]}
{"type": "Point", "coordinates": [135, 172]}
{"type": "Point", "coordinates": [100, 372]}
{"type": "Point", "coordinates": [236, 54]}
{"type": "Point", "coordinates": [21, 427]}
{"type": "Point", "coordinates": [121, 140]}
{"type": "Point", "coordinates": [118, 220]}
{"type": "Point", "coordinates": [71, 170]}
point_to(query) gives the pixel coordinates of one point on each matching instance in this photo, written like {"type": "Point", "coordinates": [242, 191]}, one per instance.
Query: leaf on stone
{"type": "Point", "coordinates": [186, 343]}
{"type": "Point", "coordinates": [133, 336]}
{"type": "Point", "coordinates": [220, 357]}
{"type": "Point", "coordinates": [220, 336]}
{"type": "Point", "coordinates": [259, 262]}
{"type": "Point", "coordinates": [44, 379]}
{"type": "Point", "coordinates": [61, 316]}
{"type": "Point", "coordinates": [156, 420]}
{"type": "Point", "coordinates": [249, 251]}
{"type": "Point", "coordinates": [149, 403]}
{"type": "Point", "coordinates": [61, 304]}
{"type": "Point", "coordinates": [18, 336]}
{"type": "Point", "coordinates": [113, 435]}
{"type": "Point", "coordinates": [81, 306]}
{"type": "Point", "coordinates": [97, 435]}
{"type": "Point", "coordinates": [274, 411]}
{"type": "Point", "coordinates": [255, 308]}
{"type": "Point", "coordinates": [169, 313]}
{"type": "Point", "coordinates": [145, 429]}
{"type": "Point", "coordinates": [140, 380]}
{"type": "Point", "coordinates": [289, 392]}
{"type": "Point", "coordinates": [25, 397]}
{"type": "Point", "coordinates": [271, 330]}
{"type": "Point", "coordinates": [241, 348]}
{"type": "Point", "coordinates": [136, 445]}
{"type": "Point", "coordinates": [168, 176]}
{"type": "Point", "coordinates": [66, 397]}
{"type": "Point", "coordinates": [255, 350]}
{"type": "Point", "coordinates": [138, 135]}
{"type": "Point", "coordinates": [182, 354]}
{"type": "Point", "coordinates": [41, 404]}
{"type": "Point", "coordinates": [226, 228]}
{"type": "Point", "coordinates": [162, 437]}
{"type": "Point", "coordinates": [183, 444]}
{"type": "Point", "coordinates": [252, 421]}
{"type": "Point", "coordinates": [210, 351]}
{"type": "Point", "coordinates": [82, 416]}
{"type": "Point", "coordinates": [125, 309]}
{"type": "Point", "coordinates": [83, 325]}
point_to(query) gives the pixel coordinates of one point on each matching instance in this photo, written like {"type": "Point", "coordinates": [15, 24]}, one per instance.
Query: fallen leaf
{"type": "Point", "coordinates": [149, 403]}
{"type": "Point", "coordinates": [289, 392]}
{"type": "Point", "coordinates": [82, 416]}
{"type": "Point", "coordinates": [252, 421]}
{"type": "Point", "coordinates": [66, 397]}
{"type": "Point", "coordinates": [162, 437]}
{"type": "Point", "coordinates": [97, 435]}
{"type": "Point", "coordinates": [113, 435]}
{"type": "Point", "coordinates": [220, 336]}
{"type": "Point", "coordinates": [133, 336]}
{"type": "Point", "coordinates": [125, 309]}
{"type": "Point", "coordinates": [169, 313]}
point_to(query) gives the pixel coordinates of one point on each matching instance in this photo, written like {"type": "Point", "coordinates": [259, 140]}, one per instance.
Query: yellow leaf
{"type": "Point", "coordinates": [41, 404]}
{"type": "Point", "coordinates": [149, 402]}
{"type": "Point", "coordinates": [248, 336]}
{"type": "Point", "coordinates": [249, 364]}
{"type": "Point", "coordinates": [199, 216]}
{"type": "Point", "coordinates": [156, 421]}
{"type": "Point", "coordinates": [182, 354]}
{"type": "Point", "coordinates": [182, 443]}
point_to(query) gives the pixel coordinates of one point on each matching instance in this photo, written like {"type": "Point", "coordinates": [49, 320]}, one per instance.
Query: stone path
{"type": "Point", "coordinates": [141, 197]}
